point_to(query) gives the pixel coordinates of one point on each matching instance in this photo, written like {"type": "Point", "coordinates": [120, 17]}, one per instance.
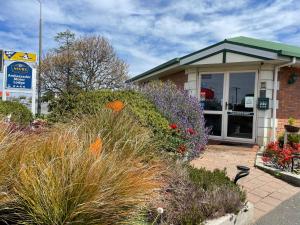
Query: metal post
{"type": "Point", "coordinates": [39, 84]}
{"type": "Point", "coordinates": [4, 83]}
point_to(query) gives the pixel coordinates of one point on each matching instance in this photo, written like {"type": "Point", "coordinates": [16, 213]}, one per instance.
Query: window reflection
{"type": "Point", "coordinates": [211, 92]}
{"type": "Point", "coordinates": [241, 91]}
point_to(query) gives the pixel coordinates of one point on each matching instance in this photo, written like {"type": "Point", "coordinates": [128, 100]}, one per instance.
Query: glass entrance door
{"type": "Point", "coordinates": [211, 100]}
{"type": "Point", "coordinates": [228, 100]}
{"type": "Point", "coordinates": [240, 105]}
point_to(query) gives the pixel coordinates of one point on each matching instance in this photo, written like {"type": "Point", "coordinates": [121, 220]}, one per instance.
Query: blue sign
{"type": "Point", "coordinates": [19, 76]}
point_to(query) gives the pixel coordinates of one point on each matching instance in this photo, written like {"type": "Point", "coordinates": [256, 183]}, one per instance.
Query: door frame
{"type": "Point", "coordinates": [224, 111]}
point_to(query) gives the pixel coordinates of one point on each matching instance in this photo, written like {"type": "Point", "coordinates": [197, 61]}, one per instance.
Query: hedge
{"type": "Point", "coordinates": [19, 113]}
{"type": "Point", "coordinates": [67, 107]}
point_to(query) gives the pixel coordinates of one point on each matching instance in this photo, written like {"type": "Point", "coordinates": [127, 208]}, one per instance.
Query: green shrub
{"type": "Point", "coordinates": [207, 180]}
{"type": "Point", "coordinates": [195, 195]}
{"type": "Point", "coordinates": [292, 139]}
{"type": "Point", "coordinates": [70, 106]}
{"type": "Point", "coordinates": [19, 113]}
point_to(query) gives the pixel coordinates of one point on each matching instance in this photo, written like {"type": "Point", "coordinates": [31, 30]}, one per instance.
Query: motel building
{"type": "Point", "coordinates": [247, 87]}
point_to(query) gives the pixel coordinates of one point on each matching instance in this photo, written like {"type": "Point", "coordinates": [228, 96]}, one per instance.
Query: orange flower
{"type": "Point", "coordinates": [96, 147]}
{"type": "Point", "coordinates": [116, 106]}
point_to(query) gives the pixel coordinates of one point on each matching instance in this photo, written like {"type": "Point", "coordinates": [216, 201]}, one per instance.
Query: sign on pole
{"type": "Point", "coordinates": [1, 61]}
{"type": "Point", "coordinates": [20, 56]}
{"type": "Point", "coordinates": [19, 70]}
{"type": "Point", "coordinates": [19, 76]}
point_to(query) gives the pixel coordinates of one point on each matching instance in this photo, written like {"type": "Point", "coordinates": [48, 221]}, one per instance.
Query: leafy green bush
{"type": "Point", "coordinates": [195, 195]}
{"type": "Point", "coordinates": [19, 113]}
{"type": "Point", "coordinates": [70, 106]}
{"type": "Point", "coordinates": [207, 180]}
{"type": "Point", "coordinates": [292, 139]}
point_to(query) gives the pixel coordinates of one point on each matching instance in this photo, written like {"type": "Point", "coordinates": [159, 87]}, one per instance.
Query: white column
{"type": "Point", "coordinates": [33, 93]}
{"type": "Point", "coordinates": [4, 82]}
{"type": "Point", "coordinates": [191, 85]}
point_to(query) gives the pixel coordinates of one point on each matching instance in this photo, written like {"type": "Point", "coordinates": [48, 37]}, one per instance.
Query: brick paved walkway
{"type": "Point", "coordinates": [263, 190]}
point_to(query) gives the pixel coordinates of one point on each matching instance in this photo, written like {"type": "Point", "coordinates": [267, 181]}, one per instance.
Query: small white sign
{"type": "Point", "coordinates": [249, 102]}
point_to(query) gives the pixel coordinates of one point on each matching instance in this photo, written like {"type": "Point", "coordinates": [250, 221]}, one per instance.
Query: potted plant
{"type": "Point", "coordinates": [290, 126]}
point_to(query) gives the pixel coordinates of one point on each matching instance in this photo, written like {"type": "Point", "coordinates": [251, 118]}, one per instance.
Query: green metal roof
{"type": "Point", "coordinates": [280, 48]}
{"type": "Point", "coordinates": [283, 49]}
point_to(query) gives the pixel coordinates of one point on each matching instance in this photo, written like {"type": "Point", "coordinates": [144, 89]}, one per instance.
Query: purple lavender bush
{"type": "Point", "coordinates": [184, 113]}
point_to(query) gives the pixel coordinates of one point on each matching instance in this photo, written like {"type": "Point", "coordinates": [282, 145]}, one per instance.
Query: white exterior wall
{"type": "Point", "coordinates": [264, 117]}
{"type": "Point", "coordinates": [191, 85]}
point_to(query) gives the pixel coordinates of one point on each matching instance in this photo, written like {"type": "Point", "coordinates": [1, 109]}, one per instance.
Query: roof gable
{"type": "Point", "coordinates": [228, 47]}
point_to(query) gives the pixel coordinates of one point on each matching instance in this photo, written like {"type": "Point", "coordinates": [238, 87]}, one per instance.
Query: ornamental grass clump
{"type": "Point", "coordinates": [93, 171]}
{"type": "Point", "coordinates": [184, 113]}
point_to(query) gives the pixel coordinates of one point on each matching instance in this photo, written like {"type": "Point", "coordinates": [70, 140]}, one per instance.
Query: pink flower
{"type": "Point", "coordinates": [191, 131]}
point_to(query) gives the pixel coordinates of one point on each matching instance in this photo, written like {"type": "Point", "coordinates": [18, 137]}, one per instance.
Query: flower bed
{"type": "Point", "coordinates": [280, 157]}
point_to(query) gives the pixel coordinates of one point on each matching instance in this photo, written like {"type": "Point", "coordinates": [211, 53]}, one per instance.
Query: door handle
{"type": "Point", "coordinates": [226, 105]}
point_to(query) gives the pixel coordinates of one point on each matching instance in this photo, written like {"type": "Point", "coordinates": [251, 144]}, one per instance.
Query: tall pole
{"type": "Point", "coordinates": [39, 84]}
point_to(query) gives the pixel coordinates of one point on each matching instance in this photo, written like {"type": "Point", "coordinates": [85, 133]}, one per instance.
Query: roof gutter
{"type": "Point", "coordinates": [277, 68]}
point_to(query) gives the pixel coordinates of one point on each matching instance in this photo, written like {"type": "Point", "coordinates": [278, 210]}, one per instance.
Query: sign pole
{"type": "Point", "coordinates": [3, 83]}
{"type": "Point", "coordinates": [33, 95]}
{"type": "Point", "coordinates": [39, 84]}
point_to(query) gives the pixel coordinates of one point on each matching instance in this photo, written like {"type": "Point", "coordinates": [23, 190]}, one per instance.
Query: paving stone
{"type": "Point", "coordinates": [271, 201]}
{"type": "Point", "coordinates": [253, 198]}
{"type": "Point", "coordinates": [264, 206]}
{"type": "Point", "coordinates": [269, 188]}
{"type": "Point", "coordinates": [260, 193]}
{"type": "Point", "coordinates": [280, 196]}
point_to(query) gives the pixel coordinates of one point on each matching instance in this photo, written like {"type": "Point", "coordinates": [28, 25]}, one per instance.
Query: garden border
{"type": "Point", "coordinates": [283, 175]}
{"type": "Point", "coordinates": [244, 217]}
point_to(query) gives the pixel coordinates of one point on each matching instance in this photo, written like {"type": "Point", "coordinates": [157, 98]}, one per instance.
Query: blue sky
{"type": "Point", "coordinates": [147, 33]}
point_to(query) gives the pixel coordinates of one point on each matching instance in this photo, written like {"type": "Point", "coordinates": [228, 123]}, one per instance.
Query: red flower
{"type": "Point", "coordinates": [285, 156]}
{"type": "Point", "coordinates": [191, 131]}
{"type": "Point", "coordinates": [296, 148]}
{"type": "Point", "coordinates": [173, 126]}
{"type": "Point", "coordinates": [273, 146]}
{"type": "Point", "coordinates": [265, 159]}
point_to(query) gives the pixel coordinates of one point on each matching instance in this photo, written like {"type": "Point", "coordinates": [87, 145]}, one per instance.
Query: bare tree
{"type": "Point", "coordinates": [97, 65]}
{"type": "Point", "coordinates": [58, 65]}
{"type": "Point", "coordinates": [86, 63]}
{"type": "Point", "coordinates": [57, 76]}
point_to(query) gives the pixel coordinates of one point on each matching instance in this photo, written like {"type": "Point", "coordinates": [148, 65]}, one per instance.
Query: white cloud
{"type": "Point", "coordinates": [147, 33]}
